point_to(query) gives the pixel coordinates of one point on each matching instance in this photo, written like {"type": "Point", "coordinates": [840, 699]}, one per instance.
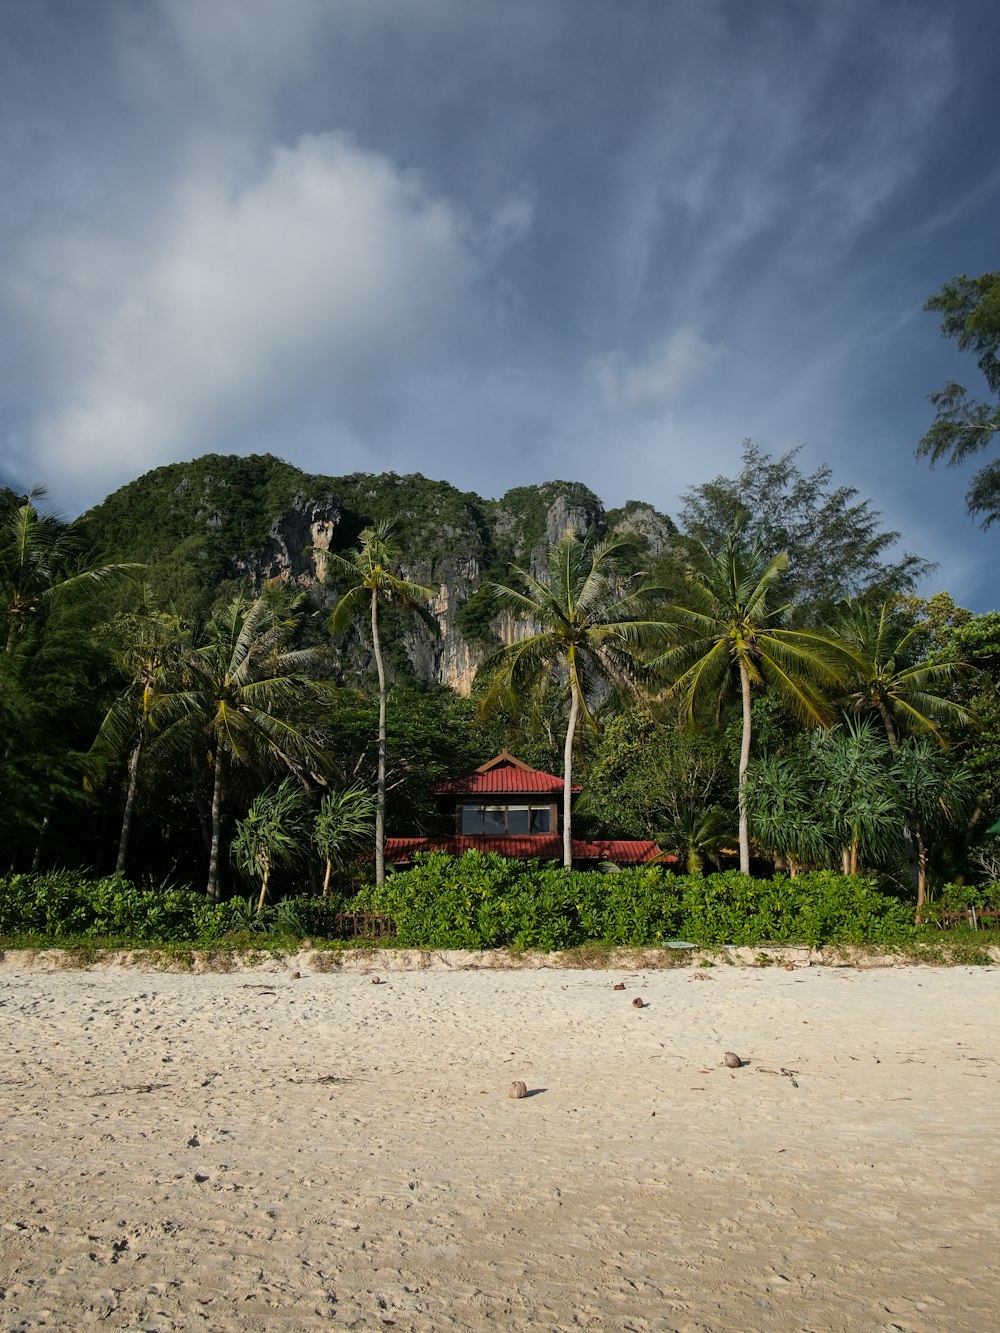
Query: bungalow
{"type": "Point", "coordinates": [507, 807]}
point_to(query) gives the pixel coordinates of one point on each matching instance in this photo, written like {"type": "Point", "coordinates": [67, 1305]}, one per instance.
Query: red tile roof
{"type": "Point", "coordinates": [540, 846]}
{"type": "Point", "coordinates": [504, 776]}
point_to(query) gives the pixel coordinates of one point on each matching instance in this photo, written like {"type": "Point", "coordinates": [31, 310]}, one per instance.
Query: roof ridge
{"type": "Point", "coordinates": [505, 757]}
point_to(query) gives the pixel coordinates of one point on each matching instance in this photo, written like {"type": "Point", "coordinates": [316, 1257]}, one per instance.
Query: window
{"type": "Point", "coordinates": [497, 820]}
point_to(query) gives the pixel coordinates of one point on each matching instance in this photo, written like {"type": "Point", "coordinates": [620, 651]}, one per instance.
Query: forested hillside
{"type": "Point", "coordinates": [756, 679]}
{"type": "Point", "coordinates": [204, 527]}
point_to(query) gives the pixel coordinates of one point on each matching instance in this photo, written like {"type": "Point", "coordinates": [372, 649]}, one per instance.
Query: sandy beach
{"type": "Point", "coordinates": [255, 1151]}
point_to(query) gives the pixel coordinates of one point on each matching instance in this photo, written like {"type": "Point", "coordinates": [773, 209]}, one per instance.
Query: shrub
{"type": "Point", "coordinates": [482, 901]}
{"type": "Point", "coordinates": [63, 904]}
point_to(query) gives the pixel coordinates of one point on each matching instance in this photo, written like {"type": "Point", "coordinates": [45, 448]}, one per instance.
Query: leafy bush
{"type": "Point", "coordinates": [816, 908]}
{"type": "Point", "coordinates": [61, 904]}
{"type": "Point", "coordinates": [955, 897]}
{"type": "Point", "coordinates": [483, 901]}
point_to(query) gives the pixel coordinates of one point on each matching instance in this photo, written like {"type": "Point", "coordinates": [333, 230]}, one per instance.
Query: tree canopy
{"type": "Point", "coordinates": [834, 540]}
{"type": "Point", "coordinates": [729, 633]}
{"type": "Point", "coordinates": [584, 628]}
{"type": "Point", "coordinates": [963, 425]}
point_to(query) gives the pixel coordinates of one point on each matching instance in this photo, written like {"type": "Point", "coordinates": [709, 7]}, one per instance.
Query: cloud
{"type": "Point", "coordinates": [511, 222]}
{"type": "Point", "coordinates": [325, 270]}
{"type": "Point", "coordinates": [670, 371]}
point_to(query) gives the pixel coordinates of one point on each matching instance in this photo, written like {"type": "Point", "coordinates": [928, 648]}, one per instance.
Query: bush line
{"type": "Point", "coordinates": [482, 901]}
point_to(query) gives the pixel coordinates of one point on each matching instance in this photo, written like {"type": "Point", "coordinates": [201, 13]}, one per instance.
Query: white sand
{"type": "Point", "coordinates": [195, 1152]}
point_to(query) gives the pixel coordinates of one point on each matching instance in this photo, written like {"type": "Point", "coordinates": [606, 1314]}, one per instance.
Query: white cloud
{"type": "Point", "coordinates": [326, 270]}
{"type": "Point", "coordinates": [669, 371]}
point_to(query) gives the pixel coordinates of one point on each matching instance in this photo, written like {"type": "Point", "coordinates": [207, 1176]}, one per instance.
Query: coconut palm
{"type": "Point", "coordinates": [373, 573]}
{"type": "Point", "coordinates": [246, 688]}
{"type": "Point", "coordinates": [884, 675]}
{"type": "Point", "coordinates": [585, 629]}
{"type": "Point", "coordinates": [273, 833]}
{"type": "Point", "coordinates": [147, 647]}
{"type": "Point", "coordinates": [39, 564]}
{"type": "Point", "coordinates": [343, 826]}
{"type": "Point", "coordinates": [726, 634]}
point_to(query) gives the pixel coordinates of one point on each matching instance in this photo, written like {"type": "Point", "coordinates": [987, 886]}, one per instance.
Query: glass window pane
{"type": "Point", "coordinates": [541, 819]}
{"type": "Point", "coordinates": [472, 819]}
{"type": "Point", "coordinates": [518, 819]}
{"type": "Point", "coordinates": [493, 820]}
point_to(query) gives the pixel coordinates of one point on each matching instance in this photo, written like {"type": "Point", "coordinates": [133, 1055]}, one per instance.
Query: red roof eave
{"type": "Point", "coordinates": [540, 846]}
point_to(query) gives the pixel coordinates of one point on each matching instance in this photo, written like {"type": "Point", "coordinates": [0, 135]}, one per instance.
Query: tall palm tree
{"type": "Point", "coordinates": [246, 687]}
{"type": "Point", "coordinates": [147, 647]}
{"type": "Point", "coordinates": [585, 628]}
{"type": "Point", "coordinates": [884, 675]}
{"type": "Point", "coordinates": [374, 573]}
{"type": "Point", "coordinates": [728, 634]}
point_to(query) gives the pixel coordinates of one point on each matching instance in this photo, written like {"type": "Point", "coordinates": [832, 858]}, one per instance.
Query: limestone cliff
{"type": "Point", "coordinates": [223, 519]}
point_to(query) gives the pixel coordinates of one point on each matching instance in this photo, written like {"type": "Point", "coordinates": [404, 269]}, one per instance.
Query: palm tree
{"type": "Point", "coordinates": [728, 634]}
{"type": "Point", "coordinates": [273, 833]}
{"type": "Point", "coordinates": [245, 690]}
{"type": "Point", "coordinates": [343, 825]}
{"type": "Point", "coordinates": [373, 572]}
{"type": "Point", "coordinates": [698, 834]}
{"type": "Point", "coordinates": [147, 647]}
{"type": "Point", "coordinates": [585, 629]}
{"type": "Point", "coordinates": [885, 677]}
{"type": "Point", "coordinates": [39, 558]}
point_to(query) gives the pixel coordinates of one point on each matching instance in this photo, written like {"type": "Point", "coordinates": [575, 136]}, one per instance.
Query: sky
{"type": "Point", "coordinates": [496, 242]}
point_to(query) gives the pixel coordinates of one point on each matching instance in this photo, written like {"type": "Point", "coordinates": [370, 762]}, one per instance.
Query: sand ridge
{"type": "Point", "coordinates": [252, 1151]}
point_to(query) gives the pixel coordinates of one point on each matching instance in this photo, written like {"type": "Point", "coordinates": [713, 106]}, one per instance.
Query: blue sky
{"type": "Point", "coordinates": [495, 241]}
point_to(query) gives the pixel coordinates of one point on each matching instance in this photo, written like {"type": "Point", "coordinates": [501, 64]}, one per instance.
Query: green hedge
{"type": "Point", "coordinates": [483, 901]}
{"type": "Point", "coordinates": [63, 905]}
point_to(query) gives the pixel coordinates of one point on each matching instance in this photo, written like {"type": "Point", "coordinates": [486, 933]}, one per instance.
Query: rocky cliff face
{"type": "Point", "coordinates": [224, 518]}
{"type": "Point", "coordinates": [297, 545]}
{"type": "Point", "coordinates": [299, 540]}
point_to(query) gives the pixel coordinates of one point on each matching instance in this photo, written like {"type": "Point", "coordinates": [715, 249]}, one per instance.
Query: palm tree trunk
{"type": "Point", "coordinates": [133, 782]}
{"type": "Point", "coordinates": [199, 803]}
{"type": "Point", "coordinates": [263, 886]}
{"type": "Point", "coordinates": [574, 712]}
{"type": "Point", "coordinates": [326, 879]}
{"type": "Point", "coordinates": [890, 727]}
{"type": "Point", "coordinates": [744, 765]}
{"type": "Point", "coordinates": [380, 790]}
{"type": "Point", "coordinates": [213, 891]}
{"type": "Point", "coordinates": [921, 848]}
{"type": "Point", "coordinates": [36, 860]}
